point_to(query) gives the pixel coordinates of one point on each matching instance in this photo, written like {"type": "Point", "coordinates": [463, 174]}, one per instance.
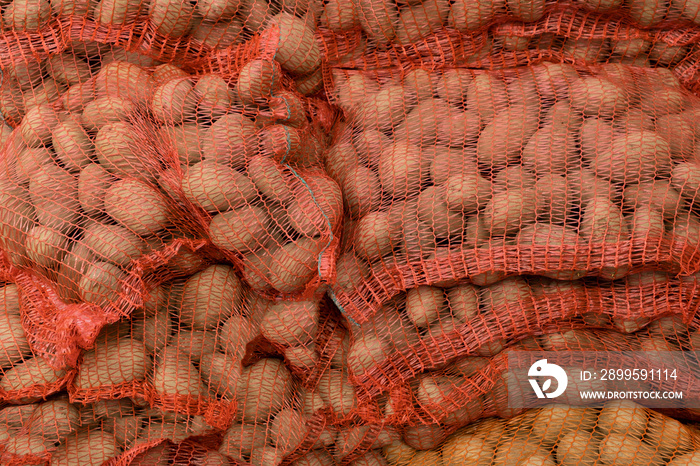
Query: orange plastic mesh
{"type": "Point", "coordinates": [462, 175]}
{"type": "Point", "coordinates": [121, 175]}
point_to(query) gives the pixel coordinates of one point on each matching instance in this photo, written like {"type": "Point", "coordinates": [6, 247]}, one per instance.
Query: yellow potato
{"type": "Point", "coordinates": [175, 101]}
{"type": "Point", "coordinates": [216, 188]}
{"type": "Point", "coordinates": [29, 373]}
{"type": "Point", "coordinates": [27, 15]}
{"type": "Point", "coordinates": [71, 144]}
{"type": "Point", "coordinates": [378, 19]}
{"type": "Point", "coordinates": [113, 362]}
{"type": "Point", "coordinates": [54, 194]}
{"type": "Point", "coordinates": [263, 390]}
{"type": "Point", "coordinates": [210, 296]}
{"type": "Point", "coordinates": [174, 374]}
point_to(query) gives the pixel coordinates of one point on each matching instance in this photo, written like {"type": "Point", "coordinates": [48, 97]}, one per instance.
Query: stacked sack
{"type": "Point", "coordinates": [171, 229]}
{"type": "Point", "coordinates": [492, 208]}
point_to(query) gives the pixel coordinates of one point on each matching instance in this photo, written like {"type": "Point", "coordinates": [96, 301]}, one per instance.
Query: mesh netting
{"type": "Point", "coordinates": [120, 176]}
{"type": "Point", "coordinates": [547, 170]}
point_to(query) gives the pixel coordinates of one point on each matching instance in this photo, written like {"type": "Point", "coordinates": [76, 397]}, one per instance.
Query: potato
{"type": "Point", "coordinates": [371, 239]}
{"type": "Point", "coordinates": [503, 139]}
{"type": "Point", "coordinates": [291, 323]}
{"type": "Point", "coordinates": [27, 444]}
{"type": "Point", "coordinates": [218, 35]}
{"type": "Point", "coordinates": [175, 101]}
{"type": "Point", "coordinates": [424, 305]}
{"type": "Point", "coordinates": [678, 132]}
{"type": "Point", "coordinates": [402, 170]}
{"type": "Point", "coordinates": [623, 417]}
{"type": "Point", "coordinates": [216, 98]}
{"type": "Point", "coordinates": [467, 16]}
{"type": "Point", "coordinates": [120, 150]}
{"type": "Point", "coordinates": [423, 122]}
{"type": "Point", "coordinates": [297, 51]}
{"type": "Point", "coordinates": [125, 80]}
{"type": "Point", "coordinates": [87, 447]}
{"type": "Point", "coordinates": [68, 69]}
{"type": "Point", "coordinates": [174, 374]}
{"type": "Point", "coordinates": [243, 230]}
{"type": "Point", "coordinates": [351, 90]}
{"type": "Point", "coordinates": [434, 212]}
{"type": "Point", "coordinates": [37, 125]}
{"type": "Point", "coordinates": [166, 72]}
{"type": "Point", "coordinates": [171, 18]}
{"type": "Point", "coordinates": [112, 243]}
{"type": "Point", "coordinates": [113, 362]}
{"type": "Point", "coordinates": [467, 448]}
{"type": "Point", "coordinates": [93, 183]}
{"type": "Point", "coordinates": [236, 333]}
{"type": "Point", "coordinates": [310, 84]}
{"type": "Point", "coordinates": [45, 93]}
{"type": "Point", "coordinates": [241, 439]}
{"type": "Point", "coordinates": [137, 206]}
{"type": "Point", "coordinates": [509, 211]}
{"type": "Point", "coordinates": [316, 208]}
{"type": "Point", "coordinates": [264, 388]}
{"type": "Point", "coordinates": [315, 458]}
{"type": "Point", "coordinates": [340, 16]}
{"type": "Point", "coordinates": [186, 140]}
{"type": "Point", "coordinates": [646, 223]}
{"type": "Point", "coordinates": [230, 140]}
{"type": "Point", "coordinates": [154, 330]}
{"type": "Point", "coordinates": [45, 246]}
{"type": "Point", "coordinates": [13, 340]}
{"type": "Point", "coordinates": [417, 21]}
{"type": "Point", "coordinates": [266, 455]}
{"type": "Point", "coordinates": [115, 12]}
{"type": "Point", "coordinates": [378, 19]}
{"type": "Point", "coordinates": [384, 109]}
{"type": "Point", "coordinates": [552, 149]}
{"type": "Point", "coordinates": [12, 103]}
{"type": "Point", "coordinates": [526, 11]}
{"type": "Point", "coordinates": [457, 129]}
{"type": "Point", "coordinates": [72, 145]}
{"type": "Point", "coordinates": [216, 187]}
{"type": "Point", "coordinates": [258, 81]}
{"type": "Point", "coordinates": [657, 194]}
{"type": "Point", "coordinates": [362, 191]}
{"type": "Point", "coordinates": [634, 157]}
{"type": "Point", "coordinates": [26, 73]}
{"type": "Point", "coordinates": [598, 97]}
{"type": "Point", "coordinates": [294, 264]}
{"type": "Point", "coordinates": [578, 447]}
{"type": "Point", "coordinates": [27, 15]}
{"type": "Point", "coordinates": [626, 449]}
{"type": "Point", "coordinates": [685, 460]}
{"type": "Point", "coordinates": [104, 110]}
{"type": "Point", "coordinates": [210, 296]}
{"type": "Point", "coordinates": [685, 178]}
{"type": "Point", "coordinates": [214, 10]}
{"type": "Point", "coordinates": [29, 373]}
{"type": "Point", "coordinates": [646, 13]}
{"type": "Point", "coordinates": [554, 421]}
{"type": "Point", "coordinates": [336, 390]}
{"type": "Point", "coordinates": [220, 373]}
{"type": "Point", "coordinates": [602, 221]}
{"type": "Point", "coordinates": [54, 193]}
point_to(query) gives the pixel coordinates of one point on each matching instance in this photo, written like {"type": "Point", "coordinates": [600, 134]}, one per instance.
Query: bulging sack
{"type": "Point", "coordinates": [131, 175]}
{"type": "Point", "coordinates": [462, 175]}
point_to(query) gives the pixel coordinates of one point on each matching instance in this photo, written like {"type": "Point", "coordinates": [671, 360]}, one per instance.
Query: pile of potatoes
{"type": "Point", "coordinates": [543, 156]}
{"type": "Point", "coordinates": [405, 23]}
{"type": "Point", "coordinates": [621, 433]}
{"type": "Point", "coordinates": [457, 329]}
{"type": "Point", "coordinates": [216, 24]}
{"type": "Point", "coordinates": [89, 183]}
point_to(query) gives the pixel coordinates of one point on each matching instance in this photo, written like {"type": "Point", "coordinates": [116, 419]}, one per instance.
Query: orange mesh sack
{"type": "Point", "coordinates": [622, 433]}
{"type": "Point", "coordinates": [474, 386]}
{"type": "Point", "coordinates": [133, 175]}
{"type": "Point", "coordinates": [26, 375]}
{"type": "Point", "coordinates": [429, 327]}
{"type": "Point", "coordinates": [164, 29]}
{"type": "Point", "coordinates": [547, 170]}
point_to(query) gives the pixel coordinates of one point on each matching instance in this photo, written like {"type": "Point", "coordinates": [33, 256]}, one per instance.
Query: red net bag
{"type": "Point", "coordinates": [620, 433]}
{"type": "Point", "coordinates": [471, 387]}
{"type": "Point", "coordinates": [474, 176]}
{"type": "Point", "coordinates": [429, 327]}
{"type": "Point", "coordinates": [101, 204]}
{"type": "Point", "coordinates": [26, 375]}
{"type": "Point", "coordinates": [166, 30]}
